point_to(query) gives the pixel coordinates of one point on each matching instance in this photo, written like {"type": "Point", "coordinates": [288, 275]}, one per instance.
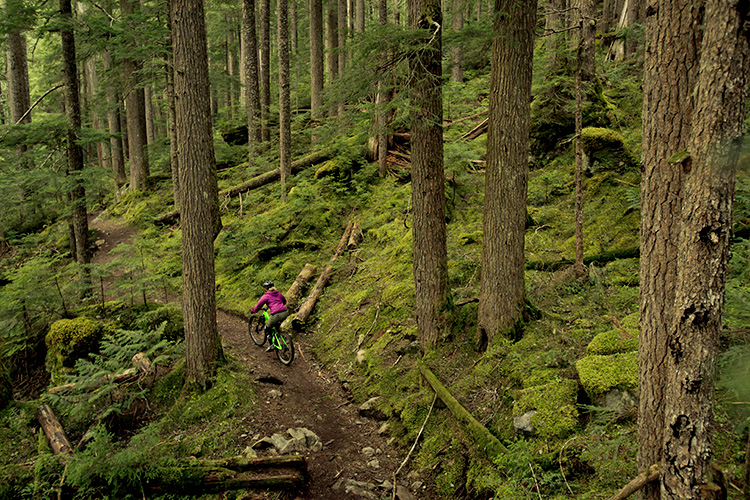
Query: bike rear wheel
{"type": "Point", "coordinates": [256, 327]}
{"type": "Point", "coordinates": [285, 349]}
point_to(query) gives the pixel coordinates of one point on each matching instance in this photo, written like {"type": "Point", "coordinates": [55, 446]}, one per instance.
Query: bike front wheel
{"type": "Point", "coordinates": [256, 327]}
{"type": "Point", "coordinates": [285, 350]}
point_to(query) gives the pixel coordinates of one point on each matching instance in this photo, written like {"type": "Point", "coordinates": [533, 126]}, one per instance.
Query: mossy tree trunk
{"type": "Point", "coordinates": [428, 176]}
{"type": "Point", "coordinates": [671, 45]}
{"type": "Point", "coordinates": [199, 203]}
{"type": "Point", "coordinates": [502, 296]}
{"type": "Point", "coordinates": [703, 249]}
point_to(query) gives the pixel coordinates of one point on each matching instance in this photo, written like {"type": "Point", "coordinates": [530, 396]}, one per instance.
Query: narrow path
{"type": "Point", "coordinates": [310, 397]}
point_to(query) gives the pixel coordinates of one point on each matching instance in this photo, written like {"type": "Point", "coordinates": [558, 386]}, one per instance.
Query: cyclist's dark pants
{"type": "Point", "coordinates": [275, 320]}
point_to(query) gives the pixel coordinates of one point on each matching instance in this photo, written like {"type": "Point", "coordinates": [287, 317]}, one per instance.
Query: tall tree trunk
{"type": "Point", "coordinates": [148, 101]}
{"type": "Point", "coordinates": [381, 102]}
{"type": "Point", "coordinates": [250, 70]}
{"type": "Point", "coordinates": [457, 54]}
{"type": "Point", "coordinates": [75, 152]}
{"type": "Point", "coordinates": [671, 44]}
{"type": "Point", "coordinates": [92, 87]}
{"type": "Point", "coordinates": [360, 16]}
{"type": "Point", "coordinates": [265, 69]}
{"type": "Point", "coordinates": [428, 177]}
{"type": "Point", "coordinates": [580, 269]}
{"type": "Point", "coordinates": [19, 97]}
{"type": "Point", "coordinates": [341, 47]}
{"type": "Point", "coordinates": [135, 109]}
{"type": "Point", "coordinates": [113, 121]}
{"type": "Point", "coordinates": [285, 131]}
{"type": "Point", "coordinates": [316, 59]}
{"type": "Point", "coordinates": [174, 152]}
{"type": "Point", "coordinates": [634, 16]}
{"type": "Point", "coordinates": [502, 297]}
{"type": "Point", "coordinates": [200, 217]}
{"type": "Point", "coordinates": [231, 68]}
{"type": "Point", "coordinates": [704, 248]}
{"type": "Point", "coordinates": [332, 58]}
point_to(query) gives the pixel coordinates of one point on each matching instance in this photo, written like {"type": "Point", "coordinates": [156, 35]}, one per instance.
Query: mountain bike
{"type": "Point", "coordinates": [281, 341]}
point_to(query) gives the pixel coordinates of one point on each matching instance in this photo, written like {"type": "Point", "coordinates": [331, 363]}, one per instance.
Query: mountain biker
{"type": "Point", "coordinates": [276, 307]}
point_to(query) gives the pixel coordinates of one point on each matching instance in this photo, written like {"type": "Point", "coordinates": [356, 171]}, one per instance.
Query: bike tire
{"type": "Point", "coordinates": [256, 328]}
{"type": "Point", "coordinates": [286, 352]}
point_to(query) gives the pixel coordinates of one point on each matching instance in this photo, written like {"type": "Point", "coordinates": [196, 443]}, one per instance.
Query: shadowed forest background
{"type": "Point", "coordinates": [524, 227]}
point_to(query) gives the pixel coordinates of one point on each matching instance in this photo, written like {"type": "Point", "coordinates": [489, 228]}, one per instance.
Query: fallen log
{"type": "Point", "coordinates": [477, 131]}
{"type": "Point", "coordinates": [355, 237]}
{"type": "Point", "coordinates": [190, 480]}
{"type": "Point", "coordinates": [602, 258]}
{"type": "Point", "coordinates": [299, 318]}
{"type": "Point", "coordinates": [478, 433]}
{"type": "Point", "coordinates": [255, 182]}
{"type": "Point", "coordinates": [275, 175]}
{"type": "Point", "coordinates": [53, 430]}
{"type": "Point", "coordinates": [243, 464]}
{"type": "Point", "coordinates": [471, 117]}
{"type": "Point", "coordinates": [649, 475]}
{"type": "Point", "coordinates": [293, 294]}
{"type": "Point", "coordinates": [142, 368]}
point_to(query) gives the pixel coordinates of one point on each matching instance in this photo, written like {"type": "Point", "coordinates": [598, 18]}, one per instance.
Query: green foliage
{"type": "Point", "coordinates": [170, 316]}
{"type": "Point", "coordinates": [600, 373]}
{"type": "Point", "coordinates": [606, 147]}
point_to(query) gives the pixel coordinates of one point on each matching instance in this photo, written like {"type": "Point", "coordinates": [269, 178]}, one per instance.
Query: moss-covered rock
{"type": "Point", "coordinates": [69, 340]}
{"type": "Point", "coordinates": [606, 148]}
{"type": "Point", "coordinates": [555, 404]}
{"type": "Point", "coordinates": [601, 373]}
{"type": "Point", "coordinates": [612, 342]}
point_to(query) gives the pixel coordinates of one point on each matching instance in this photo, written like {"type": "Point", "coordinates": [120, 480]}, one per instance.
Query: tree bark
{"type": "Point", "coordinates": [19, 97]}
{"type": "Point", "coordinates": [502, 296]}
{"type": "Point", "coordinates": [136, 113]}
{"type": "Point", "coordinates": [53, 430]}
{"type": "Point", "coordinates": [428, 177]}
{"type": "Point", "coordinates": [316, 59]}
{"type": "Point", "coordinates": [579, 267]}
{"type": "Point", "coordinates": [148, 108]}
{"type": "Point", "coordinates": [300, 317]}
{"type": "Point", "coordinates": [199, 203]}
{"type": "Point", "coordinates": [457, 54]}
{"type": "Point", "coordinates": [703, 249]}
{"type": "Point", "coordinates": [250, 70]}
{"type": "Point", "coordinates": [174, 152]}
{"type": "Point", "coordinates": [75, 152]}
{"type": "Point", "coordinates": [285, 107]}
{"type": "Point", "coordinates": [117, 160]}
{"type": "Point", "coordinates": [671, 46]}
{"type": "Point", "coordinates": [381, 102]}
{"type": "Point", "coordinates": [360, 21]}
{"type": "Point", "coordinates": [265, 69]}
{"type": "Point", "coordinates": [342, 31]}
{"type": "Point", "coordinates": [332, 58]}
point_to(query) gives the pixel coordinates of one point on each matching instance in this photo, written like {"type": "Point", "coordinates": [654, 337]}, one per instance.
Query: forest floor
{"type": "Point", "coordinates": [310, 397]}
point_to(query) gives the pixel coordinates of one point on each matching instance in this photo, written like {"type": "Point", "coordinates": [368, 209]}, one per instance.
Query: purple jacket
{"type": "Point", "coordinates": [275, 300]}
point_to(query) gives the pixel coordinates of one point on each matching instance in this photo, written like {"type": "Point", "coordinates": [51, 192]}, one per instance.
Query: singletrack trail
{"type": "Point", "coordinates": [310, 397]}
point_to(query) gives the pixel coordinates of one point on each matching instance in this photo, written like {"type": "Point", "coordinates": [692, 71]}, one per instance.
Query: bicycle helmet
{"type": "Point", "coordinates": [267, 284]}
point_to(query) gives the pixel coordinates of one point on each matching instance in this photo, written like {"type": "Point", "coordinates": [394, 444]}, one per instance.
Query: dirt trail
{"type": "Point", "coordinates": [310, 397]}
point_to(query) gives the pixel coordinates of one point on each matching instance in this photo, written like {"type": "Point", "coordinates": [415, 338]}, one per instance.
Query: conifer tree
{"type": "Point", "coordinates": [199, 200]}
{"type": "Point", "coordinates": [431, 294]}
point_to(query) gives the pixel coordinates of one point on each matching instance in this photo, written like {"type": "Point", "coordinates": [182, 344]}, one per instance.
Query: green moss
{"type": "Point", "coordinates": [555, 404]}
{"type": "Point", "coordinates": [70, 339]}
{"type": "Point", "coordinates": [612, 342]}
{"type": "Point", "coordinates": [596, 138]}
{"type": "Point", "coordinates": [599, 373]}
